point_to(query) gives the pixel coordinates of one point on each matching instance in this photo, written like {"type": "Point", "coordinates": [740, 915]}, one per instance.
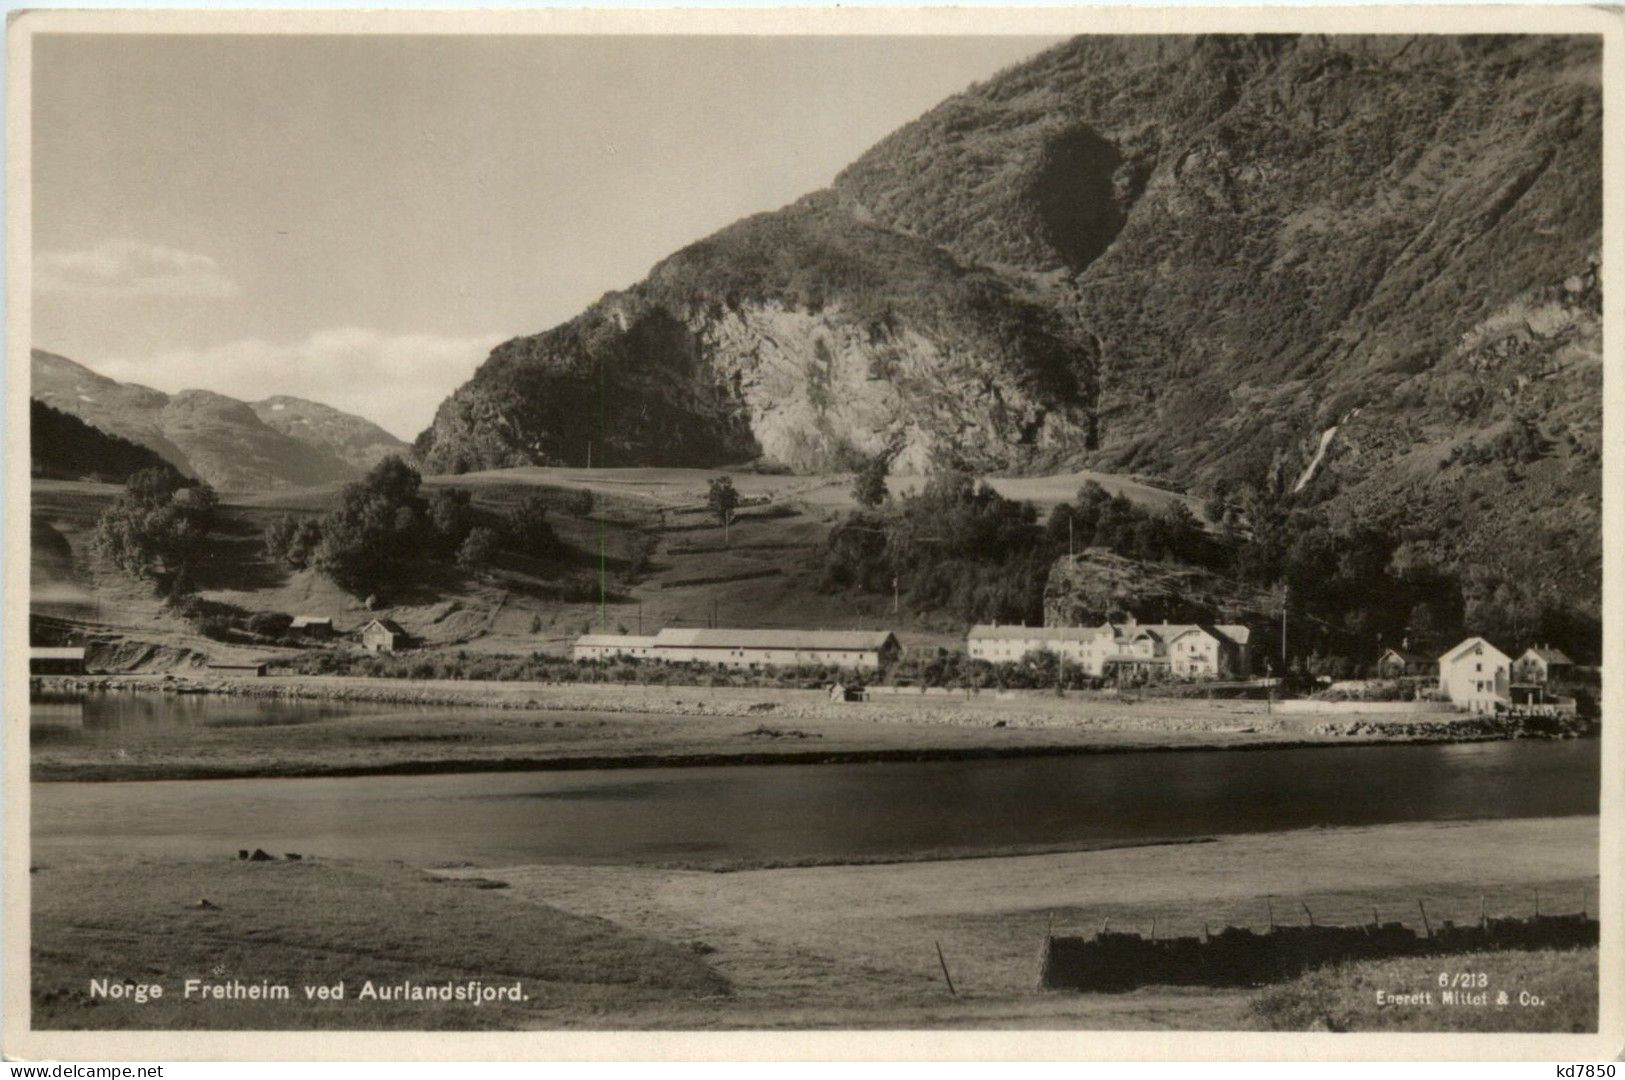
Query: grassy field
{"type": "Point", "coordinates": [857, 944]}
{"type": "Point", "coordinates": [765, 571]}
{"type": "Point", "coordinates": [318, 924]}
{"type": "Point", "coordinates": [1525, 991]}
{"type": "Point", "coordinates": [826, 946]}
{"type": "Point", "coordinates": [167, 736]}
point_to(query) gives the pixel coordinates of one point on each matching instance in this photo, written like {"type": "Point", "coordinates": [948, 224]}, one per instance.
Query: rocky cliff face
{"type": "Point", "coordinates": [806, 338]}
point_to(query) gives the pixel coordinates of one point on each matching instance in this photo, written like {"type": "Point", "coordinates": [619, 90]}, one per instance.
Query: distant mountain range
{"type": "Point", "coordinates": [280, 442]}
{"type": "Point", "coordinates": [1356, 272]}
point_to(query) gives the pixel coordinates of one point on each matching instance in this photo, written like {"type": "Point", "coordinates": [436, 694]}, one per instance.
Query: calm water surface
{"type": "Point", "coordinates": [788, 812]}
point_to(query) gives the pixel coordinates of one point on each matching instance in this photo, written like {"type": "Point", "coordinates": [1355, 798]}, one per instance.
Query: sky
{"type": "Point", "coordinates": [358, 220]}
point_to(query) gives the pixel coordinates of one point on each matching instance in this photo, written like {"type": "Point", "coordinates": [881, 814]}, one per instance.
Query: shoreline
{"type": "Point", "coordinates": [406, 727]}
{"type": "Point", "coordinates": [454, 765]}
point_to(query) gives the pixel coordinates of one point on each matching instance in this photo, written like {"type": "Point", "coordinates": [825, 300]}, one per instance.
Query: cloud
{"type": "Point", "coordinates": [131, 268]}
{"type": "Point", "coordinates": [394, 380]}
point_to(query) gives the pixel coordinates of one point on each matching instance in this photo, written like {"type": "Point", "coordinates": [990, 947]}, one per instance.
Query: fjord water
{"type": "Point", "coordinates": [773, 813]}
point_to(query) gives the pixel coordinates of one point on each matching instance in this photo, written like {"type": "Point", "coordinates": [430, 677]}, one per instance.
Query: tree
{"type": "Point", "coordinates": [528, 527]}
{"type": "Point", "coordinates": [451, 516]}
{"type": "Point", "coordinates": [293, 540]}
{"type": "Point", "coordinates": [378, 524]}
{"type": "Point", "coordinates": [158, 528]}
{"type": "Point", "coordinates": [869, 484]}
{"type": "Point", "coordinates": [722, 498]}
{"type": "Point", "coordinates": [478, 550]}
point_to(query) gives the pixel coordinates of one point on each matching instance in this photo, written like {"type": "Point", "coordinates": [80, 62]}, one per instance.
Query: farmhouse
{"type": "Point", "coordinates": [750, 649]}
{"type": "Point", "coordinates": [1540, 664]}
{"type": "Point", "coordinates": [1185, 650]}
{"type": "Point", "coordinates": [1396, 663]}
{"type": "Point", "coordinates": [1476, 675]}
{"type": "Point", "coordinates": [382, 636]}
{"type": "Point", "coordinates": [56, 660]}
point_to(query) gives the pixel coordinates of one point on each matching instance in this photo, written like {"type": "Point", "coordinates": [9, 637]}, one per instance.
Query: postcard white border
{"type": "Point", "coordinates": [22, 1043]}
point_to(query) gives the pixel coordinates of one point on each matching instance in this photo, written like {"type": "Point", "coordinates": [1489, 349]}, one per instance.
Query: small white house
{"type": "Point", "coordinates": [1477, 676]}
{"type": "Point", "coordinates": [382, 636]}
{"type": "Point", "coordinates": [1539, 664]}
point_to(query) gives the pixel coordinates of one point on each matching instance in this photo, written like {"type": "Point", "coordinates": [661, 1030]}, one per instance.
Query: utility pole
{"type": "Point", "coordinates": [894, 595]}
{"type": "Point", "coordinates": [1285, 593]}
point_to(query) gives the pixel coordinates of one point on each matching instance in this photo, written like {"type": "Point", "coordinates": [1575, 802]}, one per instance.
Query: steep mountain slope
{"type": "Point", "coordinates": [64, 447]}
{"type": "Point", "coordinates": [1188, 258]}
{"type": "Point", "coordinates": [1263, 233]}
{"type": "Point", "coordinates": [806, 336]}
{"type": "Point", "coordinates": [216, 438]}
{"type": "Point", "coordinates": [357, 442]}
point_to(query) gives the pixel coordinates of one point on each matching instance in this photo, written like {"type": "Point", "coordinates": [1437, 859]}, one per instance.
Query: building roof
{"type": "Point", "coordinates": [1548, 654]}
{"type": "Point", "coordinates": [1234, 632]}
{"type": "Point", "coordinates": [1461, 650]}
{"type": "Point", "coordinates": [385, 624]}
{"type": "Point", "coordinates": [310, 620]}
{"type": "Point", "coordinates": [1407, 656]}
{"type": "Point", "coordinates": [625, 641]}
{"type": "Point", "coordinates": [56, 652]}
{"type": "Point", "coordinates": [997, 632]}
{"type": "Point", "coordinates": [828, 640]}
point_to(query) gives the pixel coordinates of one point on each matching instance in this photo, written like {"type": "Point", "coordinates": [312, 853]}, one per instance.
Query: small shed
{"type": "Point", "coordinates": [250, 669]}
{"type": "Point", "coordinates": [842, 692]}
{"type": "Point", "coordinates": [313, 625]}
{"type": "Point", "coordinates": [382, 636]}
{"type": "Point", "coordinates": [56, 660]}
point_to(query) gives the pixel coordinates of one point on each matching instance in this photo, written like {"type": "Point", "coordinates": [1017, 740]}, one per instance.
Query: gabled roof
{"type": "Point", "coordinates": [385, 624]}
{"type": "Point", "coordinates": [1548, 654]}
{"type": "Point", "coordinates": [835, 640]}
{"type": "Point", "coordinates": [1466, 646]}
{"type": "Point", "coordinates": [1406, 655]}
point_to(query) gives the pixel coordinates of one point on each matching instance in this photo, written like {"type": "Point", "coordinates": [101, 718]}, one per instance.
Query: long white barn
{"type": "Point", "coordinates": [747, 648]}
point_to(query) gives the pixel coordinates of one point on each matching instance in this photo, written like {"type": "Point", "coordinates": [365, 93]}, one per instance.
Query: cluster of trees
{"type": "Point", "coordinates": [1345, 591]}
{"type": "Point", "coordinates": [1097, 519]}
{"type": "Point", "coordinates": [65, 447]}
{"type": "Point", "coordinates": [385, 522]}
{"type": "Point", "coordinates": [958, 546]}
{"type": "Point", "coordinates": [157, 529]}
{"type": "Point", "coordinates": [961, 548]}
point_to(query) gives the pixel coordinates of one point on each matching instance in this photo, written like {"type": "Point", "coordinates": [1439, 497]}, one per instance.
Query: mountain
{"type": "Point", "coordinates": [808, 336]}
{"type": "Point", "coordinates": [1353, 272]}
{"type": "Point", "coordinates": [359, 443]}
{"type": "Point", "coordinates": [64, 447]}
{"type": "Point", "coordinates": [211, 436]}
